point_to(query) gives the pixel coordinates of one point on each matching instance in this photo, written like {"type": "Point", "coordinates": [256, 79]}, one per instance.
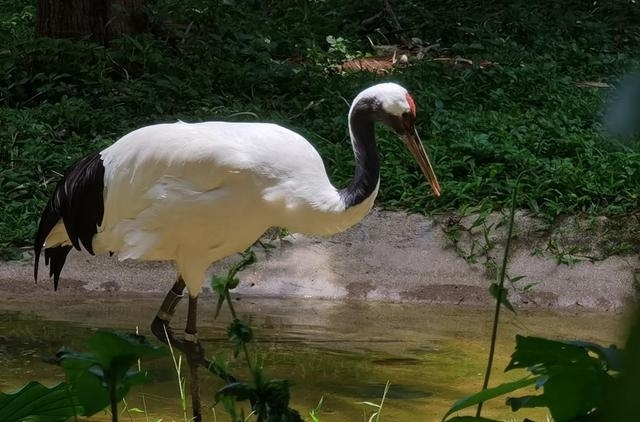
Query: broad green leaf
{"type": "Point", "coordinates": [136, 378]}
{"type": "Point", "coordinates": [238, 391]}
{"type": "Point", "coordinates": [518, 403]}
{"type": "Point", "coordinates": [574, 383]}
{"type": "Point", "coordinates": [88, 388]}
{"type": "Point", "coordinates": [471, 419]}
{"type": "Point", "coordinates": [121, 349]}
{"type": "Point", "coordinates": [575, 392]}
{"type": "Point", "coordinates": [490, 393]}
{"type": "Point", "coordinates": [540, 355]}
{"type": "Point", "coordinates": [107, 365]}
{"type": "Point", "coordinates": [611, 355]}
{"type": "Point", "coordinates": [36, 403]}
{"type": "Point", "coordinates": [622, 400]}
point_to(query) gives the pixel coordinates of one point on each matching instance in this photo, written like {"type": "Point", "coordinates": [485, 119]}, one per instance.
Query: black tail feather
{"type": "Point", "coordinates": [55, 258]}
{"type": "Point", "coordinates": [78, 201]}
{"type": "Point", "coordinates": [81, 200]}
{"type": "Point", "coordinates": [48, 220]}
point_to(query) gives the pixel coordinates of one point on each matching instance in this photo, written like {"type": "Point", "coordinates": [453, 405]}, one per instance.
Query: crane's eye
{"type": "Point", "coordinates": [409, 117]}
{"type": "Point", "coordinates": [407, 121]}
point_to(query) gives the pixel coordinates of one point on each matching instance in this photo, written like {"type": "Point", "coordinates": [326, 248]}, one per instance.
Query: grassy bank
{"type": "Point", "coordinates": [521, 107]}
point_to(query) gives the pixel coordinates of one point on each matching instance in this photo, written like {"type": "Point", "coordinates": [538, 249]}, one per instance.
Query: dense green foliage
{"type": "Point", "coordinates": [575, 378]}
{"type": "Point", "coordinates": [104, 375]}
{"type": "Point", "coordinates": [36, 402]}
{"type": "Point", "coordinates": [96, 379]}
{"type": "Point", "coordinates": [272, 61]}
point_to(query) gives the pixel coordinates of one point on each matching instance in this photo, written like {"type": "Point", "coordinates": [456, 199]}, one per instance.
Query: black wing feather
{"type": "Point", "coordinates": [78, 200]}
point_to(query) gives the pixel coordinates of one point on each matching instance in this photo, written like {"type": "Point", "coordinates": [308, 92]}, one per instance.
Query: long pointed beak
{"type": "Point", "coordinates": [413, 143]}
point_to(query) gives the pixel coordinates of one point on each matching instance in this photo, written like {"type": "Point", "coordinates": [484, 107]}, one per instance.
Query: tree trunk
{"type": "Point", "coordinates": [98, 20]}
{"type": "Point", "coordinates": [125, 17]}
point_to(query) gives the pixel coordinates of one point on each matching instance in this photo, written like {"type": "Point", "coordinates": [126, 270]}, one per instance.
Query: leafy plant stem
{"type": "Point", "coordinates": [235, 316]}
{"type": "Point", "coordinates": [501, 278]}
{"type": "Point", "coordinates": [232, 273]}
{"type": "Point", "coordinates": [231, 309]}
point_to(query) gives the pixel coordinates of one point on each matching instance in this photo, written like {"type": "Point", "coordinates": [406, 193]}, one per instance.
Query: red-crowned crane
{"type": "Point", "coordinates": [196, 193]}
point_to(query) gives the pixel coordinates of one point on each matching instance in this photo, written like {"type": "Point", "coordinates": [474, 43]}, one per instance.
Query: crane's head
{"type": "Point", "coordinates": [392, 105]}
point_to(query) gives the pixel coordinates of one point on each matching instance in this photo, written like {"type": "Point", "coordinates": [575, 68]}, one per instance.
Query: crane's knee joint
{"type": "Point", "coordinates": [191, 337]}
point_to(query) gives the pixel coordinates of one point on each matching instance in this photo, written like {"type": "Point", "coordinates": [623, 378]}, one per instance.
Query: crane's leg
{"type": "Point", "coordinates": [195, 356]}
{"type": "Point", "coordinates": [165, 313]}
{"type": "Point", "coordinates": [161, 329]}
{"type": "Point", "coordinates": [189, 343]}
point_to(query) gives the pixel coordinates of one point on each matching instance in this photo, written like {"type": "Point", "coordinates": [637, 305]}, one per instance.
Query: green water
{"type": "Point", "coordinates": [344, 352]}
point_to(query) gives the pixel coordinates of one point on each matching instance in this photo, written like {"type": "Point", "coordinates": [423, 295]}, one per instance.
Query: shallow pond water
{"type": "Point", "coordinates": [344, 352]}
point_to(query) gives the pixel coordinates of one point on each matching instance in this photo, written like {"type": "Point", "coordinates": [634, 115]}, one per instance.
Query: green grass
{"type": "Point", "coordinates": [271, 61]}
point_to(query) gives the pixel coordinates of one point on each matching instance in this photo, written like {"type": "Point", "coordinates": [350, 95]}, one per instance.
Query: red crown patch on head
{"type": "Point", "coordinates": [412, 104]}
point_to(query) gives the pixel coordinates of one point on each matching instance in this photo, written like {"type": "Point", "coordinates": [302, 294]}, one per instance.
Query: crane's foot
{"type": "Point", "coordinates": [189, 344]}
{"type": "Point", "coordinates": [192, 348]}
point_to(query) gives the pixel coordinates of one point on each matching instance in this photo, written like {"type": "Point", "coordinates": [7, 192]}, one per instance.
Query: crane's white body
{"type": "Point", "coordinates": [177, 191]}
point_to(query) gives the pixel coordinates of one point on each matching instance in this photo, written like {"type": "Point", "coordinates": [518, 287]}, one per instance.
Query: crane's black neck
{"type": "Point", "coordinates": [365, 181]}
